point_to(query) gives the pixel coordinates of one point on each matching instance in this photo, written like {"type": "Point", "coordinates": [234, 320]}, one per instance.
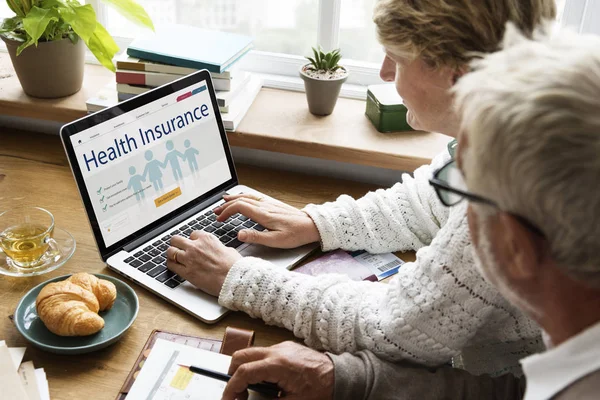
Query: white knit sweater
{"type": "Point", "coordinates": [434, 309]}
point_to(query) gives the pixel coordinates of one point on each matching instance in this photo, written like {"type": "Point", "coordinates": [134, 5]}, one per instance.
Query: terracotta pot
{"type": "Point", "coordinates": [321, 94]}
{"type": "Point", "coordinates": [50, 70]}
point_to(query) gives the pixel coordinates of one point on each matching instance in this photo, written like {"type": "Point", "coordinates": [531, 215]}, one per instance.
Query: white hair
{"type": "Point", "coordinates": [531, 113]}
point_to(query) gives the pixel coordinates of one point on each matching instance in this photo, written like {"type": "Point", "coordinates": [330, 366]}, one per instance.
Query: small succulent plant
{"type": "Point", "coordinates": [325, 61]}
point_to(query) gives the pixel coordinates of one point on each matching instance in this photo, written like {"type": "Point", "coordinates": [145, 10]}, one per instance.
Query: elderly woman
{"type": "Point", "coordinates": [435, 308]}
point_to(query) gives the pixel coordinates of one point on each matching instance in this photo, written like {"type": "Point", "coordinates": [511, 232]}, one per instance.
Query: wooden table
{"type": "Point", "coordinates": [34, 171]}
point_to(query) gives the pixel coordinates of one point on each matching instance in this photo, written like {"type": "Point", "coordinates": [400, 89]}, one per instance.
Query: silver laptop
{"type": "Point", "coordinates": [156, 166]}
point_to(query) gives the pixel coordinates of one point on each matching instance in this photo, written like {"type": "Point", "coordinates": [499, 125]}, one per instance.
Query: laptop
{"type": "Point", "coordinates": [156, 166]}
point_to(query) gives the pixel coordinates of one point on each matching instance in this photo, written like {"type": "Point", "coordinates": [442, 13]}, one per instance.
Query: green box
{"type": "Point", "coordinates": [385, 108]}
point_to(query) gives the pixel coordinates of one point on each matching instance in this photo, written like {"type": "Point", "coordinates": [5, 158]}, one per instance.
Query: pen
{"type": "Point", "coordinates": [265, 388]}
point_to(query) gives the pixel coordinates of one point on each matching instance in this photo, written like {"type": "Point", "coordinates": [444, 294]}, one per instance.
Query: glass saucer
{"type": "Point", "coordinates": [49, 262]}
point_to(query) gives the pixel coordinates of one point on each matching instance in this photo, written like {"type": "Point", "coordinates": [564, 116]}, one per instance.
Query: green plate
{"type": "Point", "coordinates": [116, 321]}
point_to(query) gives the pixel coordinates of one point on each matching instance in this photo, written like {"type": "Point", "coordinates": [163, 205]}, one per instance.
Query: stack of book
{"type": "Point", "coordinates": [174, 51]}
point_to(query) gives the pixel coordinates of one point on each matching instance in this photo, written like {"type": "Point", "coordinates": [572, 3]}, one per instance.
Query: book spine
{"type": "Point", "coordinates": [126, 88]}
{"type": "Point", "coordinates": [145, 79]}
{"type": "Point", "coordinates": [222, 84]}
{"type": "Point", "coordinates": [132, 79]}
{"type": "Point", "coordinates": [173, 60]}
{"type": "Point", "coordinates": [236, 87]}
{"type": "Point", "coordinates": [246, 98]}
{"type": "Point", "coordinates": [133, 66]}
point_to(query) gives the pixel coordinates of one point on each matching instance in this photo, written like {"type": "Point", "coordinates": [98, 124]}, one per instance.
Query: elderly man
{"type": "Point", "coordinates": [529, 158]}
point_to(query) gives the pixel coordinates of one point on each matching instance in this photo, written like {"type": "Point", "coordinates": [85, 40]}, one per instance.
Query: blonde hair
{"type": "Point", "coordinates": [532, 116]}
{"type": "Point", "coordinates": [452, 32]}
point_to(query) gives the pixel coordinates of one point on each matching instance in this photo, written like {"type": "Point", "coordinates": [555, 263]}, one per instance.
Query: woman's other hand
{"type": "Point", "coordinates": [202, 260]}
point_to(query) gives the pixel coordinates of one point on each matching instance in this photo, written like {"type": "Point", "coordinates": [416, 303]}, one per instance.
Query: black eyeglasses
{"type": "Point", "coordinates": [450, 187]}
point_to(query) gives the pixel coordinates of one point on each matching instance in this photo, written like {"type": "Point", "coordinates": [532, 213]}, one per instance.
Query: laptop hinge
{"type": "Point", "coordinates": [176, 220]}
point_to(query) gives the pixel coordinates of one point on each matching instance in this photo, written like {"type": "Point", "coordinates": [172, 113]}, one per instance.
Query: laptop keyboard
{"type": "Point", "coordinates": [152, 259]}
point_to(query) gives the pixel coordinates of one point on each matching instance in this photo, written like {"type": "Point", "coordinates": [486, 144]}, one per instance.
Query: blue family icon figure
{"type": "Point", "coordinates": [135, 184]}
{"type": "Point", "coordinates": [153, 170]}
{"type": "Point", "coordinates": [173, 159]}
{"type": "Point", "coordinates": [190, 155]}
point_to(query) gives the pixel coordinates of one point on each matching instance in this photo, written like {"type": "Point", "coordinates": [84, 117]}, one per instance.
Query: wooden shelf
{"type": "Point", "coordinates": [278, 121]}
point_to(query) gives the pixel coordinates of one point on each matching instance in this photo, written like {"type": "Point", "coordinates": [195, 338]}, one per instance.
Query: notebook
{"type": "Point", "coordinates": [191, 47]}
{"type": "Point", "coordinates": [234, 339]}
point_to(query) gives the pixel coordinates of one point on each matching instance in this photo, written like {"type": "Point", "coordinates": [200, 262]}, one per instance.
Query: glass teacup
{"type": "Point", "coordinates": [26, 236]}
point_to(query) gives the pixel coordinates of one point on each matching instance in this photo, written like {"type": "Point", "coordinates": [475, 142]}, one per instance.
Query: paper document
{"type": "Point", "coordinates": [380, 265]}
{"type": "Point", "coordinates": [29, 380]}
{"type": "Point", "coordinates": [11, 385]}
{"type": "Point", "coordinates": [16, 353]}
{"type": "Point", "coordinates": [42, 382]}
{"type": "Point", "coordinates": [358, 265]}
{"type": "Point", "coordinates": [161, 378]}
{"type": "Point", "coordinates": [26, 381]}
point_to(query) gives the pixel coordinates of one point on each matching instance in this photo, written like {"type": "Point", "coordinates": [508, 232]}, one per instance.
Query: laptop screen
{"type": "Point", "coordinates": [145, 163]}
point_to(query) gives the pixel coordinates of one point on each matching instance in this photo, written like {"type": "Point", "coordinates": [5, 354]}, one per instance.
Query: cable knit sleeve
{"type": "Point", "coordinates": [405, 217]}
{"type": "Point", "coordinates": [427, 313]}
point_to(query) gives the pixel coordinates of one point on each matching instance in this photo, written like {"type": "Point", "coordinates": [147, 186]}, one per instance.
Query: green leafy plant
{"type": "Point", "coordinates": [47, 20]}
{"type": "Point", "coordinates": [325, 61]}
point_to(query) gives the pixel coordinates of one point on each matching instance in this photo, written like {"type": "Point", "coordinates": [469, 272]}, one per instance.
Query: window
{"type": "Point", "coordinates": [582, 15]}
{"type": "Point", "coordinates": [4, 10]}
{"type": "Point", "coordinates": [560, 7]}
{"type": "Point", "coordinates": [357, 37]}
{"type": "Point", "coordinates": [285, 30]}
{"type": "Point", "coordinates": [288, 27]}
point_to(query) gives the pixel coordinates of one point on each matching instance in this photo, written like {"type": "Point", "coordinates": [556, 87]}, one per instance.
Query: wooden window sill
{"type": "Point", "coordinates": [278, 121]}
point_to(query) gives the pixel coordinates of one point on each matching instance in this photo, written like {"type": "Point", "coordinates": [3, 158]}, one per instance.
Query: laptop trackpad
{"type": "Point", "coordinates": [280, 257]}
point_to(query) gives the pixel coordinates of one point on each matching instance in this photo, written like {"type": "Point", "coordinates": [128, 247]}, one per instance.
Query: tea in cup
{"type": "Point", "coordinates": [26, 236]}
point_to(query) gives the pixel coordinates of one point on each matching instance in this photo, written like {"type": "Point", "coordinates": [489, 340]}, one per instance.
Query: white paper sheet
{"type": "Point", "coordinates": [16, 353]}
{"type": "Point", "coordinates": [29, 380]}
{"type": "Point", "coordinates": [42, 382]}
{"type": "Point", "coordinates": [162, 379]}
{"type": "Point", "coordinates": [10, 383]}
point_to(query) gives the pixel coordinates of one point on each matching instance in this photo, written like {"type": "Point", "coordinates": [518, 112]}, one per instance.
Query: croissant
{"type": "Point", "coordinates": [68, 308]}
{"type": "Point", "coordinates": [105, 291]}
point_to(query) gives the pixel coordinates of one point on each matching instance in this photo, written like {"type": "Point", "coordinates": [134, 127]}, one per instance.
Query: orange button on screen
{"type": "Point", "coordinates": [165, 198]}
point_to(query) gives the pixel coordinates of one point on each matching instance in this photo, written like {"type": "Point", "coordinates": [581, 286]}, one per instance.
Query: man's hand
{"type": "Point", "coordinates": [301, 373]}
{"type": "Point", "coordinates": [287, 226]}
{"type": "Point", "coordinates": [202, 260]}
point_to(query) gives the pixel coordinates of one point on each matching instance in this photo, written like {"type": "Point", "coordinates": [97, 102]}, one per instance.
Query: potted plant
{"type": "Point", "coordinates": [323, 78]}
{"type": "Point", "coordinates": [45, 40]}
